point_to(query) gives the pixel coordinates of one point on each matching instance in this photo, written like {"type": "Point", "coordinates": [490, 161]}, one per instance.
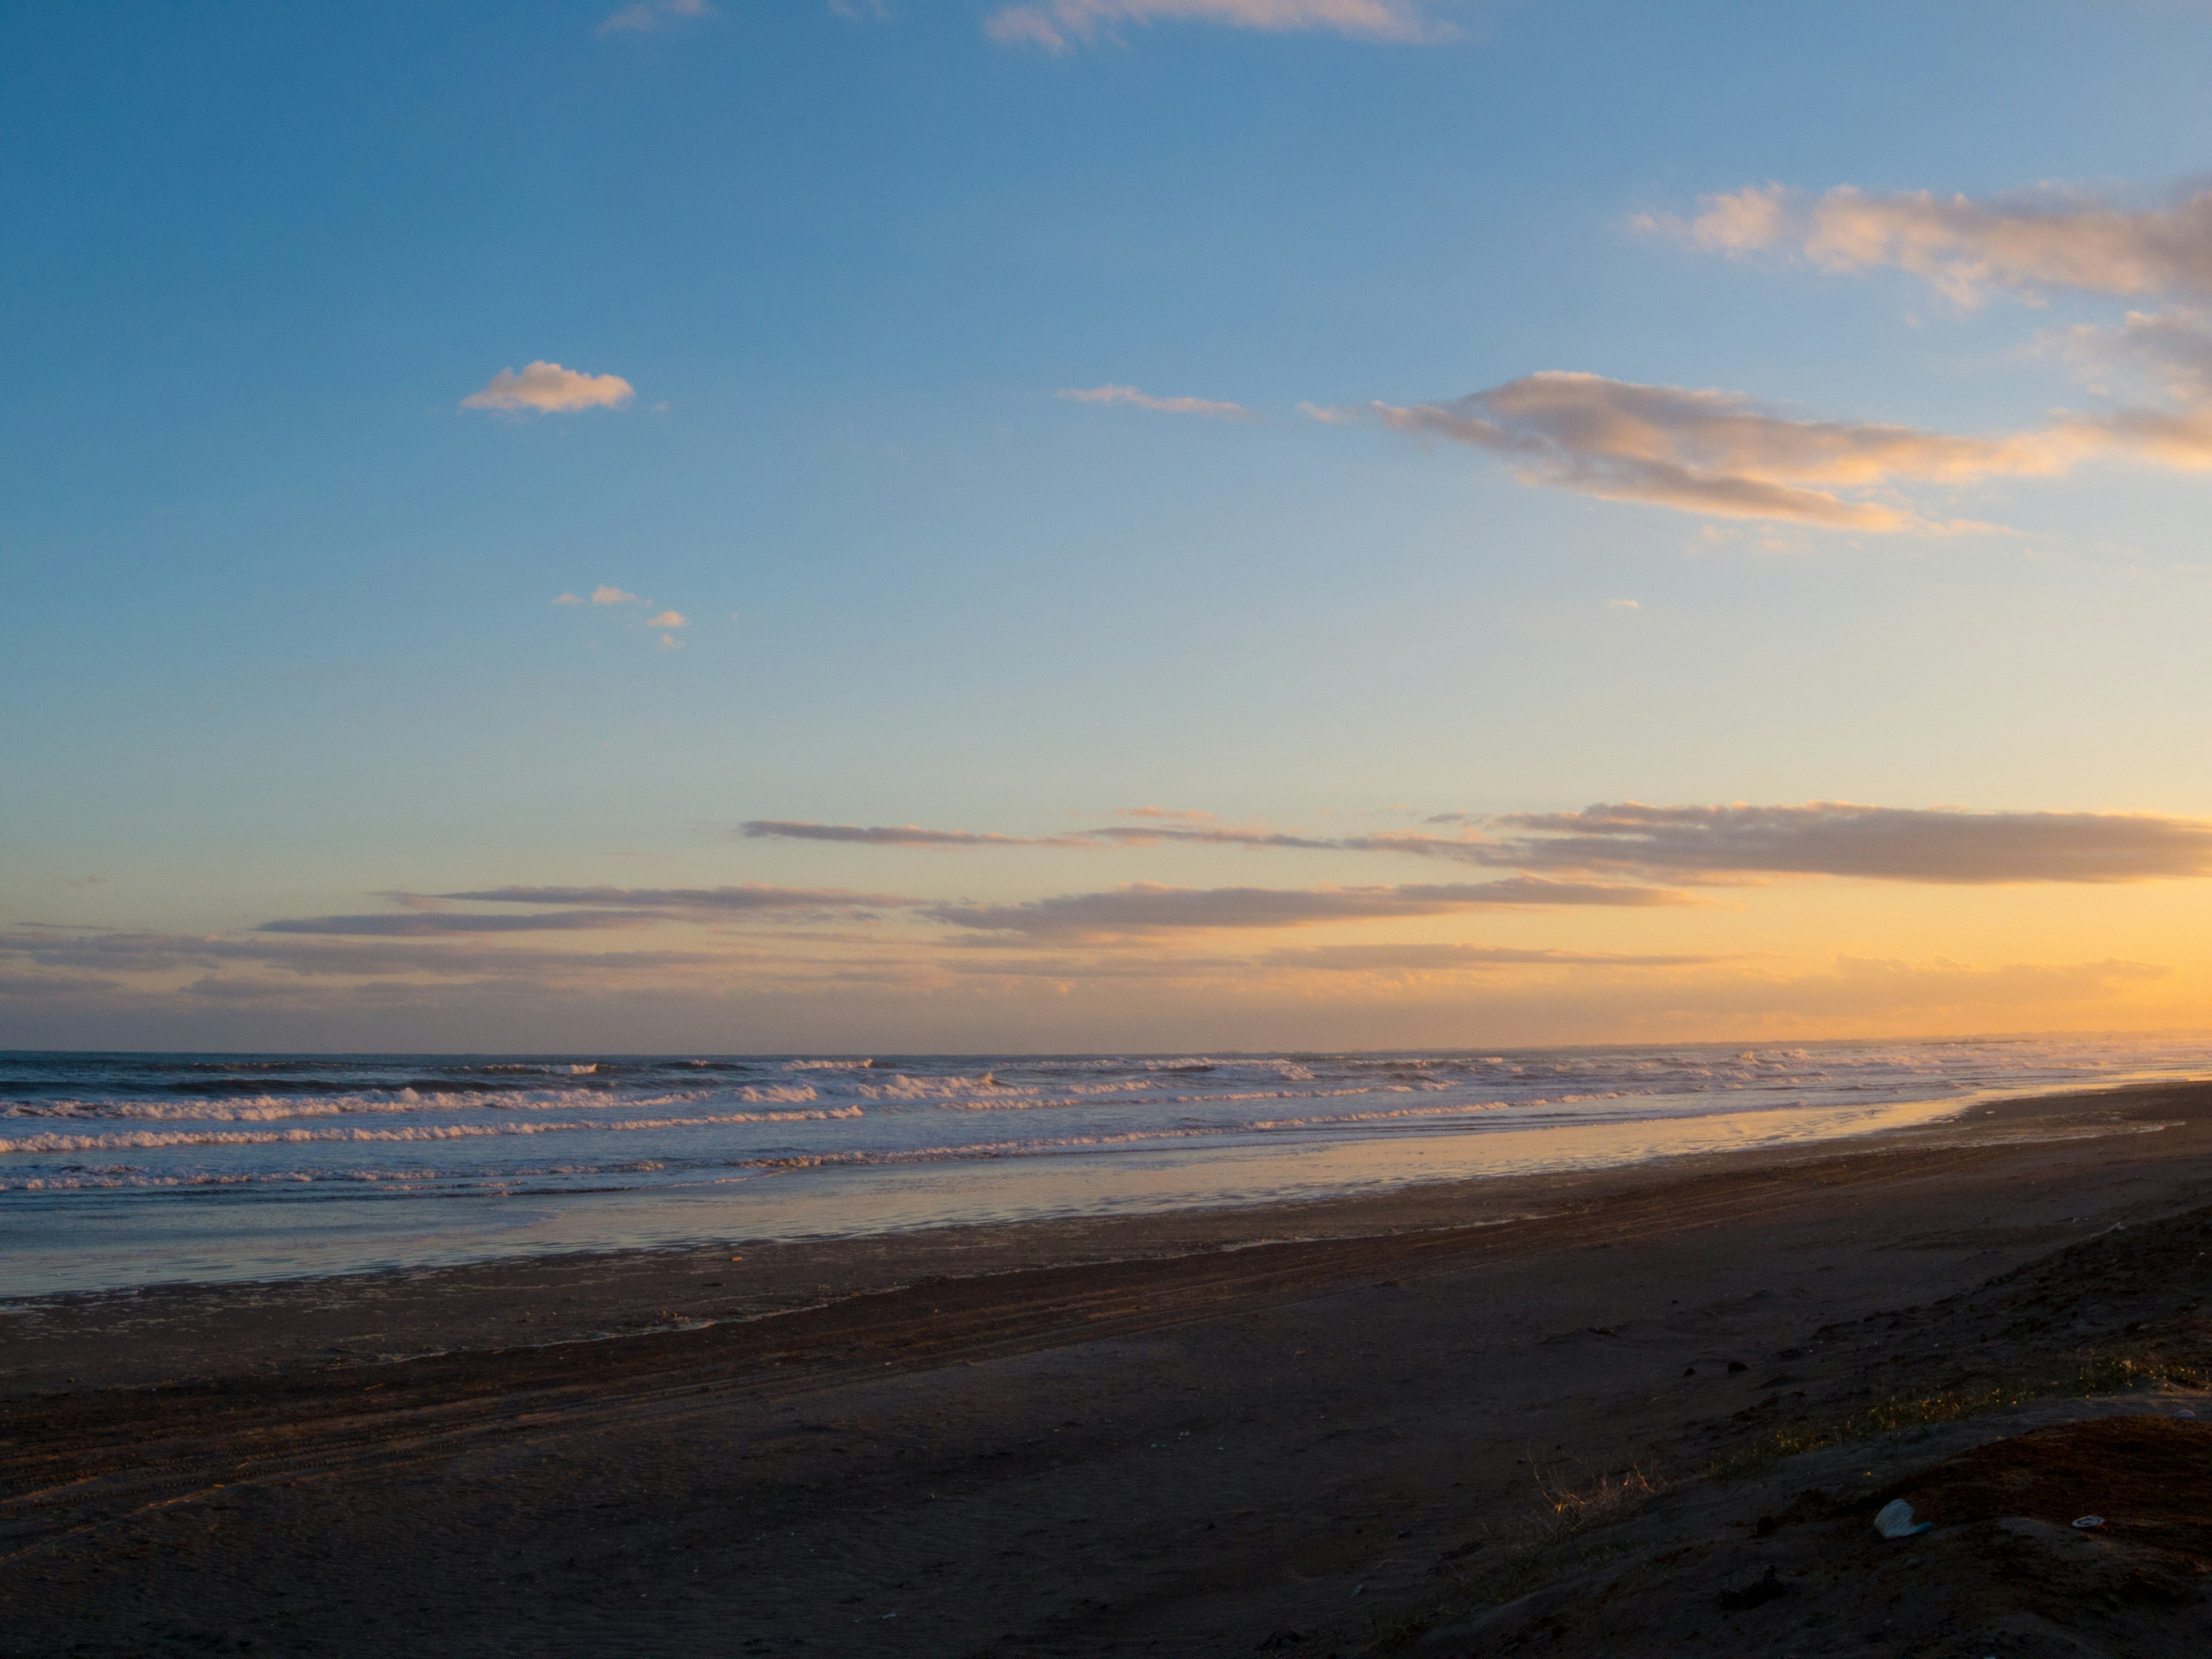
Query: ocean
{"type": "Point", "coordinates": [121, 1169]}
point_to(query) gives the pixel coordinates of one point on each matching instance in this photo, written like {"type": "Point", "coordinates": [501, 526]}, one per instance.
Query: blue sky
{"type": "Point", "coordinates": [281, 634]}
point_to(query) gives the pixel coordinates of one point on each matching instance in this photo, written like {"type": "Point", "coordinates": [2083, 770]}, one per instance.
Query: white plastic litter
{"type": "Point", "coordinates": [1895, 1520]}
{"type": "Point", "coordinates": [2089, 1520]}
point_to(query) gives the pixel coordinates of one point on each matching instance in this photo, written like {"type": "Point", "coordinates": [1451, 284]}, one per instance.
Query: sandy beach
{"type": "Point", "coordinates": [1574, 1415]}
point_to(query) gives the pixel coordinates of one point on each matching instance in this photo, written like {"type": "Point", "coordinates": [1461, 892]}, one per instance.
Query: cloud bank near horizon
{"type": "Point", "coordinates": [1935, 845]}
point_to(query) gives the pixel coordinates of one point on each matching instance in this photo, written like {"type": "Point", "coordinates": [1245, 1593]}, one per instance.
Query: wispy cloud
{"type": "Point", "coordinates": [1129, 394]}
{"type": "Point", "coordinates": [1703, 844]}
{"type": "Point", "coordinates": [543, 388]}
{"type": "Point", "coordinates": [1837, 838]}
{"type": "Point", "coordinates": [1061, 25]}
{"type": "Point", "coordinates": [1145, 907]}
{"type": "Point", "coordinates": [567, 598]}
{"type": "Point", "coordinates": [1964, 248]}
{"type": "Point", "coordinates": [1417, 958]}
{"type": "Point", "coordinates": [902, 834]}
{"type": "Point", "coordinates": [418, 924]}
{"type": "Point", "coordinates": [748, 898]}
{"type": "Point", "coordinates": [1158, 826]}
{"type": "Point", "coordinates": [1722, 454]}
{"type": "Point", "coordinates": [648, 16]}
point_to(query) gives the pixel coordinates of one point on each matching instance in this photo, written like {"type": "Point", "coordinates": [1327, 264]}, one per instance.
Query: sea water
{"type": "Point", "coordinates": [121, 1169]}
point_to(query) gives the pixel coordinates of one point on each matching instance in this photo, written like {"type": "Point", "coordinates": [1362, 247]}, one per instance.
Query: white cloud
{"type": "Point", "coordinates": [646, 17]}
{"type": "Point", "coordinates": [604, 594]}
{"type": "Point", "coordinates": [566, 599]}
{"type": "Point", "coordinates": [543, 388]}
{"type": "Point", "coordinates": [667, 619]}
{"type": "Point", "coordinates": [1129, 394]}
{"type": "Point", "coordinates": [1622, 604]}
{"type": "Point", "coordinates": [1060, 26]}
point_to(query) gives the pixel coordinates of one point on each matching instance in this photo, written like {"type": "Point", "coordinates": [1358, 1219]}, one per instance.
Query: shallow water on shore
{"type": "Point", "coordinates": [127, 1169]}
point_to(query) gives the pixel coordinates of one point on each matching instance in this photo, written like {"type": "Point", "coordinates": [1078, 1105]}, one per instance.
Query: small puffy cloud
{"type": "Point", "coordinates": [1722, 453]}
{"type": "Point", "coordinates": [543, 388]}
{"type": "Point", "coordinates": [1146, 908]}
{"type": "Point", "coordinates": [566, 599]}
{"type": "Point", "coordinates": [646, 17]}
{"type": "Point", "coordinates": [1838, 838]}
{"type": "Point", "coordinates": [1622, 604]}
{"type": "Point", "coordinates": [667, 619]}
{"type": "Point", "coordinates": [1061, 25]}
{"type": "Point", "coordinates": [604, 594]}
{"type": "Point", "coordinates": [1964, 248]}
{"type": "Point", "coordinates": [1130, 395]}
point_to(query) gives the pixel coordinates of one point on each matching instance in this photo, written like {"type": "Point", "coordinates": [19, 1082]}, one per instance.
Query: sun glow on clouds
{"type": "Point", "coordinates": [1967, 250]}
{"type": "Point", "coordinates": [1607, 915]}
{"type": "Point", "coordinates": [1727, 455]}
{"type": "Point", "coordinates": [543, 388]}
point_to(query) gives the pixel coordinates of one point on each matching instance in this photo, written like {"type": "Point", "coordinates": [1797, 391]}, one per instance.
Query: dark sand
{"type": "Point", "coordinates": [1537, 1415]}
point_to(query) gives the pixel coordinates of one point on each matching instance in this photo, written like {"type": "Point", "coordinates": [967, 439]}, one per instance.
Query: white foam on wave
{"type": "Point", "coordinates": [143, 1139]}
{"type": "Point", "coordinates": [269, 1109]}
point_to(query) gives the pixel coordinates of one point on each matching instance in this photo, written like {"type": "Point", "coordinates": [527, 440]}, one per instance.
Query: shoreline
{"type": "Point", "coordinates": [1193, 1435]}
{"type": "Point", "coordinates": [311, 1320]}
{"type": "Point", "coordinates": [339, 1166]}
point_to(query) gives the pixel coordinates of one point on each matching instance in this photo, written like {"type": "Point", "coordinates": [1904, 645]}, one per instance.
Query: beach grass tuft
{"type": "Point", "coordinates": [2101, 1374]}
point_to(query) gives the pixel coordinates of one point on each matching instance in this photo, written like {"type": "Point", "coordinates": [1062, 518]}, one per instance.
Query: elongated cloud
{"type": "Point", "coordinates": [1417, 958]}
{"type": "Point", "coordinates": [543, 388]}
{"type": "Point", "coordinates": [1734, 842]}
{"type": "Point", "coordinates": [1061, 25]}
{"type": "Point", "coordinates": [434, 924]}
{"type": "Point", "coordinates": [1155, 829]}
{"type": "Point", "coordinates": [749, 897]}
{"type": "Point", "coordinates": [899, 834]}
{"type": "Point", "coordinates": [1722, 454]}
{"type": "Point", "coordinates": [1966, 248]}
{"type": "Point", "coordinates": [1145, 907]}
{"type": "Point", "coordinates": [1837, 838]}
{"type": "Point", "coordinates": [1129, 394]}
{"type": "Point", "coordinates": [441, 953]}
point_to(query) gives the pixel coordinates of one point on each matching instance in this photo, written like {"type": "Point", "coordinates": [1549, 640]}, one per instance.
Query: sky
{"type": "Point", "coordinates": [964, 525]}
